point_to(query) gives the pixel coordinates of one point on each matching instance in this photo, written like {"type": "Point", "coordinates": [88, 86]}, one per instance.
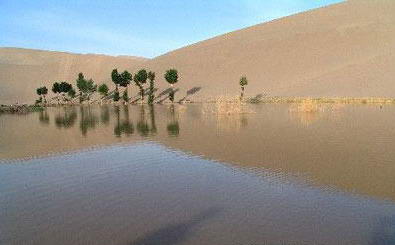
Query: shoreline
{"type": "Point", "coordinates": [26, 108]}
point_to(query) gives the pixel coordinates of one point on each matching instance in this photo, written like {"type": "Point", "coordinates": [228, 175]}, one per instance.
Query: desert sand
{"type": "Point", "coordinates": [343, 50]}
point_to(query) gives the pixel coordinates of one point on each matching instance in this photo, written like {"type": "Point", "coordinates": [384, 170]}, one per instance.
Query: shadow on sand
{"type": "Point", "coordinates": [190, 92]}
{"type": "Point", "coordinates": [172, 234]}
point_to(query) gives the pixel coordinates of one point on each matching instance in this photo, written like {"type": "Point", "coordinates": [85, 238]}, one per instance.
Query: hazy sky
{"type": "Point", "coordinates": [132, 27]}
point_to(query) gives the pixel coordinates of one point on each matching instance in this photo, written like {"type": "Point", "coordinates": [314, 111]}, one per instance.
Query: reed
{"type": "Point", "coordinates": [326, 100]}
{"type": "Point", "coordinates": [227, 105]}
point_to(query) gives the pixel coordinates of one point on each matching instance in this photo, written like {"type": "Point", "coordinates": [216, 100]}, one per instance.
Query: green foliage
{"type": "Point", "coordinates": [125, 96]}
{"type": "Point", "coordinates": [71, 93]}
{"type": "Point", "coordinates": [44, 91]}
{"type": "Point", "coordinates": [65, 87]}
{"type": "Point", "coordinates": [243, 81]}
{"type": "Point", "coordinates": [125, 79]}
{"type": "Point", "coordinates": [140, 79]}
{"type": "Point", "coordinates": [56, 88]}
{"type": "Point", "coordinates": [116, 96]}
{"type": "Point", "coordinates": [103, 89]}
{"type": "Point", "coordinates": [151, 77]}
{"type": "Point", "coordinates": [81, 82]}
{"type": "Point", "coordinates": [86, 87]}
{"type": "Point", "coordinates": [171, 76]}
{"type": "Point", "coordinates": [116, 78]}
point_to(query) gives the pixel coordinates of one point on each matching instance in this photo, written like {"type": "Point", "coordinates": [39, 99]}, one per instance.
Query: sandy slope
{"type": "Point", "coordinates": [23, 70]}
{"type": "Point", "coordinates": [346, 49]}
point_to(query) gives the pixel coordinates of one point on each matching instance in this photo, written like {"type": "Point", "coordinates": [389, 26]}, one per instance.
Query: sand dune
{"type": "Point", "coordinates": [347, 49]}
{"type": "Point", "coordinates": [23, 70]}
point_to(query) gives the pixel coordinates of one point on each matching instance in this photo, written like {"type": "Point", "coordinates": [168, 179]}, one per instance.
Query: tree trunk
{"type": "Point", "coordinates": [172, 93]}
{"type": "Point", "coordinates": [142, 94]}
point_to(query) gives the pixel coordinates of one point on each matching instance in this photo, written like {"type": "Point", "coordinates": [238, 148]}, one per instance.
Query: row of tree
{"type": "Point", "coordinates": [125, 78]}
{"type": "Point", "coordinates": [87, 87]}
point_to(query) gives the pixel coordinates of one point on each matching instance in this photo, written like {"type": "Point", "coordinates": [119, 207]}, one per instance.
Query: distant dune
{"type": "Point", "coordinates": [346, 49]}
{"type": "Point", "coordinates": [23, 70]}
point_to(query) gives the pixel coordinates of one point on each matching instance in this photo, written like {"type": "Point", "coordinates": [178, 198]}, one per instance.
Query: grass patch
{"type": "Point", "coordinates": [19, 109]}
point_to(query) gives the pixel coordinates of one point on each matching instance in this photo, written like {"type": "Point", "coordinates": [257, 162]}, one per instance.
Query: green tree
{"type": "Point", "coordinates": [38, 91]}
{"type": "Point", "coordinates": [64, 88]}
{"type": "Point", "coordinates": [116, 78]}
{"type": "Point", "coordinates": [103, 90]}
{"type": "Point", "coordinates": [86, 87]}
{"type": "Point", "coordinates": [42, 92]}
{"type": "Point", "coordinates": [72, 93]}
{"type": "Point", "coordinates": [126, 77]}
{"type": "Point", "coordinates": [171, 77]}
{"type": "Point", "coordinates": [56, 90]}
{"type": "Point", "coordinates": [140, 79]}
{"type": "Point", "coordinates": [151, 78]}
{"type": "Point", "coordinates": [243, 82]}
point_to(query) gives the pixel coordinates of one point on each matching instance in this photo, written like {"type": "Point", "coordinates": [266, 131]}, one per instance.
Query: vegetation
{"type": "Point", "coordinates": [42, 92]}
{"type": "Point", "coordinates": [151, 78]}
{"type": "Point", "coordinates": [19, 109]}
{"type": "Point", "coordinates": [86, 87]}
{"type": "Point", "coordinates": [116, 96]}
{"type": "Point", "coordinates": [125, 79]}
{"type": "Point", "coordinates": [61, 88]}
{"type": "Point", "coordinates": [103, 90]}
{"type": "Point", "coordinates": [116, 79]}
{"type": "Point", "coordinates": [125, 96]}
{"type": "Point", "coordinates": [56, 89]}
{"type": "Point", "coordinates": [72, 93]}
{"type": "Point", "coordinates": [140, 79]}
{"type": "Point", "coordinates": [171, 77]}
{"type": "Point", "coordinates": [243, 83]}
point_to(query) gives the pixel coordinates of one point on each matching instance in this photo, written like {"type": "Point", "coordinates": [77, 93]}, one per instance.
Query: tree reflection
{"type": "Point", "coordinates": [105, 114]}
{"type": "Point", "coordinates": [173, 128]}
{"type": "Point", "coordinates": [43, 117]}
{"type": "Point", "coordinates": [67, 118]}
{"type": "Point", "coordinates": [125, 126]}
{"type": "Point", "coordinates": [152, 116]}
{"type": "Point", "coordinates": [142, 125]}
{"type": "Point", "coordinates": [144, 128]}
{"type": "Point", "coordinates": [88, 119]}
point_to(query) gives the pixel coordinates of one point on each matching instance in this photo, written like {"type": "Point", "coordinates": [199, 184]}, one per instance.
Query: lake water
{"type": "Point", "coordinates": [184, 174]}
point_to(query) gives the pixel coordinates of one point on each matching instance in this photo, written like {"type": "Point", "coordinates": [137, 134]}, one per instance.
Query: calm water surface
{"type": "Point", "coordinates": [185, 175]}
